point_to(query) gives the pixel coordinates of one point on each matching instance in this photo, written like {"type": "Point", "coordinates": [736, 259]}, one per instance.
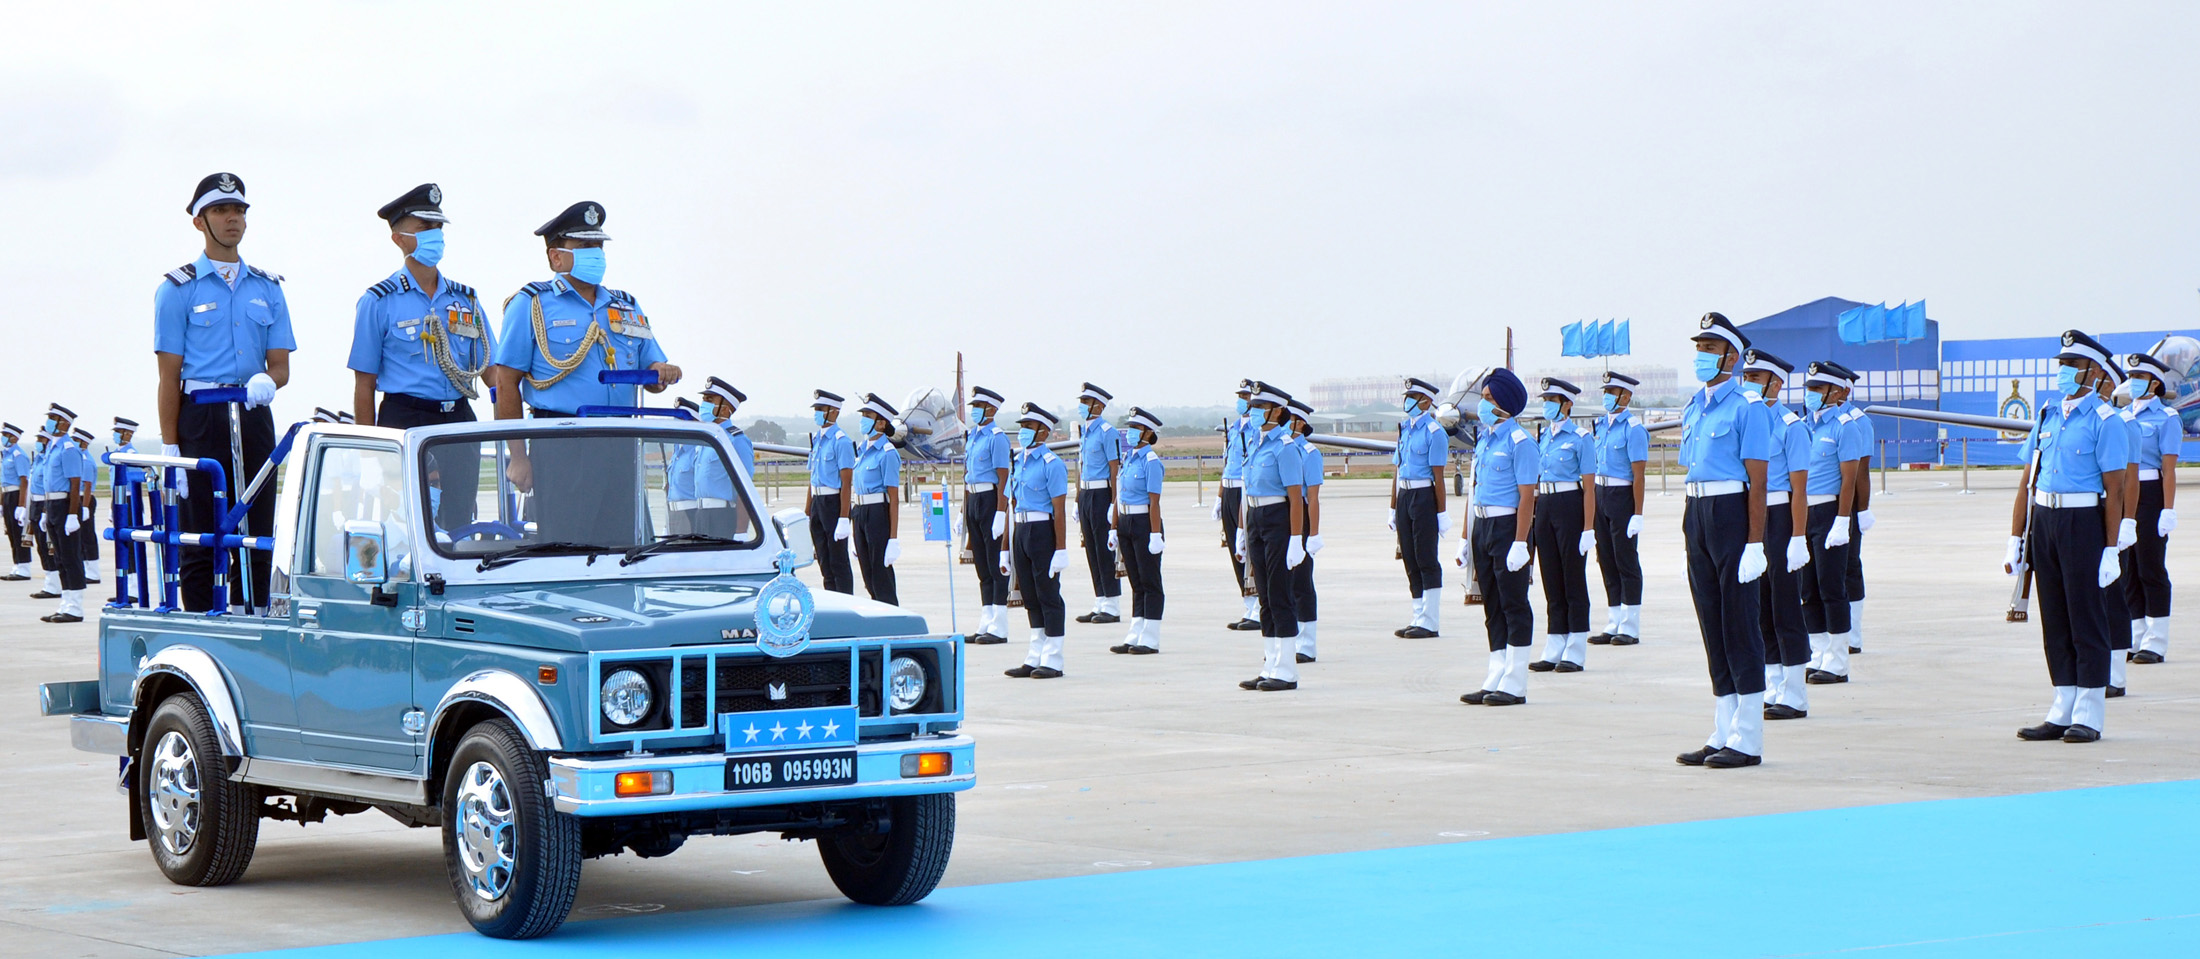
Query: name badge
{"type": "Point", "coordinates": [407, 324]}
{"type": "Point", "coordinates": [204, 307]}
{"type": "Point", "coordinates": [558, 323]}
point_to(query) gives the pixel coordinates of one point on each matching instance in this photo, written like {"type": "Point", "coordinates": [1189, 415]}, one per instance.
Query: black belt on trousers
{"type": "Point", "coordinates": [410, 401]}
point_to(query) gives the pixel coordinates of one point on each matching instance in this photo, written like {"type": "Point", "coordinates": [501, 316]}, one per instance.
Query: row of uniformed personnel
{"type": "Point", "coordinates": [50, 506]}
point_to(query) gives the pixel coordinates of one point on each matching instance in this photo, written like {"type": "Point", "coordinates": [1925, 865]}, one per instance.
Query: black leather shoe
{"type": "Point", "coordinates": [1731, 759]}
{"type": "Point", "coordinates": [1101, 619]}
{"type": "Point", "coordinates": [1622, 639]}
{"type": "Point", "coordinates": [2044, 732]}
{"type": "Point", "coordinates": [1143, 650]}
{"type": "Point", "coordinates": [1123, 648]}
{"type": "Point", "coordinates": [1244, 624]}
{"type": "Point", "coordinates": [1856, 650]}
{"type": "Point", "coordinates": [1253, 683]}
{"type": "Point", "coordinates": [2081, 734]}
{"type": "Point", "coordinates": [72, 618]}
{"type": "Point", "coordinates": [1695, 757]}
{"type": "Point", "coordinates": [1566, 667]}
{"type": "Point", "coordinates": [1400, 632]}
{"type": "Point", "coordinates": [42, 594]}
{"type": "Point", "coordinates": [1600, 639]}
{"type": "Point", "coordinates": [1784, 711]}
{"type": "Point", "coordinates": [1045, 672]}
{"type": "Point", "coordinates": [984, 639]}
{"type": "Point", "coordinates": [1086, 617]}
{"type": "Point", "coordinates": [2146, 657]}
{"type": "Point", "coordinates": [1474, 698]}
{"type": "Point", "coordinates": [1275, 686]}
{"type": "Point", "coordinates": [2115, 691]}
{"type": "Point", "coordinates": [1823, 678]}
{"type": "Point", "coordinates": [1416, 632]}
{"type": "Point", "coordinates": [12, 578]}
{"type": "Point", "coordinates": [1302, 657]}
{"type": "Point", "coordinates": [91, 580]}
{"type": "Point", "coordinates": [1542, 666]}
{"type": "Point", "coordinates": [1019, 672]}
{"type": "Point", "coordinates": [1498, 697]}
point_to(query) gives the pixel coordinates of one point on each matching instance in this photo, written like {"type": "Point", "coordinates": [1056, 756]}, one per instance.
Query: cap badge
{"type": "Point", "coordinates": [2070, 337]}
{"type": "Point", "coordinates": [1706, 322]}
{"type": "Point", "coordinates": [590, 216]}
{"type": "Point", "coordinates": [226, 184]}
{"type": "Point", "coordinates": [435, 194]}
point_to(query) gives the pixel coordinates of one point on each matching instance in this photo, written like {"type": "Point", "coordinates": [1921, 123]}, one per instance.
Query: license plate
{"type": "Point", "coordinates": [791, 770]}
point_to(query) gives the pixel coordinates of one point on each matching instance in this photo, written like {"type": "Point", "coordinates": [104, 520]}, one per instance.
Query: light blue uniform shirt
{"type": "Point", "coordinates": [1274, 464]}
{"type": "Point", "coordinates": [2156, 433]}
{"type": "Point", "coordinates": [1565, 454]}
{"type": "Point", "coordinates": [1237, 442]}
{"type": "Point", "coordinates": [680, 474]}
{"type": "Point", "coordinates": [831, 450]}
{"type": "Point", "coordinates": [985, 452]}
{"type": "Point", "coordinates": [1721, 428]}
{"type": "Point", "coordinates": [1832, 443]}
{"type": "Point", "coordinates": [1312, 456]}
{"type": "Point", "coordinates": [67, 463]}
{"type": "Point", "coordinates": [1860, 423]}
{"type": "Point", "coordinates": [1141, 476]}
{"type": "Point", "coordinates": [1039, 477]}
{"type": "Point", "coordinates": [878, 467]}
{"type": "Point", "coordinates": [566, 320]}
{"type": "Point", "coordinates": [2076, 450]}
{"type": "Point", "coordinates": [222, 334]}
{"type": "Point", "coordinates": [14, 465]}
{"type": "Point", "coordinates": [39, 462]}
{"type": "Point", "coordinates": [387, 329]}
{"type": "Point", "coordinates": [1102, 445]}
{"type": "Point", "coordinates": [1505, 460]}
{"type": "Point", "coordinates": [1790, 450]}
{"type": "Point", "coordinates": [711, 479]}
{"type": "Point", "coordinates": [119, 478]}
{"type": "Point", "coordinates": [1422, 446]}
{"type": "Point", "coordinates": [1621, 443]}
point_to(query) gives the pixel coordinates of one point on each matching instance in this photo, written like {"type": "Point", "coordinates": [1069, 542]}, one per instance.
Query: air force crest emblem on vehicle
{"type": "Point", "coordinates": [784, 611]}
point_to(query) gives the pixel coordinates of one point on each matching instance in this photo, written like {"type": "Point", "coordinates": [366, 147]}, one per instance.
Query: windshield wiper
{"type": "Point", "coordinates": [646, 550]}
{"type": "Point", "coordinates": [506, 557]}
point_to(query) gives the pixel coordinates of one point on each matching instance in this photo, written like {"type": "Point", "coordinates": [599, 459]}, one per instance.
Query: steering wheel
{"type": "Point", "coordinates": [492, 528]}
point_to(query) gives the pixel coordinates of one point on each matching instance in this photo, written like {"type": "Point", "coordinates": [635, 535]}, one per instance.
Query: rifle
{"type": "Point", "coordinates": [2020, 595]}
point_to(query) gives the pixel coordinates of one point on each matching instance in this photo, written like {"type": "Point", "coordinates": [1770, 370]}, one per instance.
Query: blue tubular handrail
{"type": "Point", "coordinates": [628, 377]}
{"type": "Point", "coordinates": [164, 528]}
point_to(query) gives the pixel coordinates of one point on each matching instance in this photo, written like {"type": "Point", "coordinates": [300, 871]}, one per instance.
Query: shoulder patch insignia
{"type": "Point", "coordinates": [1792, 417]}
{"type": "Point", "coordinates": [384, 288]}
{"type": "Point", "coordinates": [1520, 437]}
{"type": "Point", "coordinates": [2105, 411]}
{"type": "Point", "coordinates": [183, 274]}
{"type": "Point", "coordinates": [263, 274]}
{"type": "Point", "coordinates": [463, 290]}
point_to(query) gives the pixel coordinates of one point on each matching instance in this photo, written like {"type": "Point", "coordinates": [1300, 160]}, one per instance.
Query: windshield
{"type": "Point", "coordinates": [579, 491]}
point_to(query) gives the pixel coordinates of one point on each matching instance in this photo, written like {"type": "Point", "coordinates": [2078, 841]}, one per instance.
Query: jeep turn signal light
{"type": "Point", "coordinates": [546, 674]}
{"type": "Point", "coordinates": [917, 765]}
{"type": "Point", "coordinates": [653, 783]}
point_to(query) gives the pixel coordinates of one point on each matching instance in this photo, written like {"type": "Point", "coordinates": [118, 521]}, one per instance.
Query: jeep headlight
{"type": "Point", "coordinates": [904, 684]}
{"type": "Point", "coordinates": [627, 697]}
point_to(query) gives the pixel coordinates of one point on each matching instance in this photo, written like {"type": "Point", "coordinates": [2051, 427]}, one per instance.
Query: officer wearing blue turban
{"type": "Point", "coordinates": [1507, 466]}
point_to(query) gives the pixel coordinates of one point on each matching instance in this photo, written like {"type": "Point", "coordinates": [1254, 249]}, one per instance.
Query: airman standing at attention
{"type": "Point", "coordinates": [832, 469]}
{"type": "Point", "coordinates": [1507, 467]}
{"type": "Point", "coordinates": [1099, 459]}
{"type": "Point", "coordinates": [34, 487]}
{"type": "Point", "coordinates": [1859, 423]}
{"type": "Point", "coordinates": [1838, 453]}
{"type": "Point", "coordinates": [680, 504]}
{"type": "Point", "coordinates": [875, 516]}
{"type": "Point", "coordinates": [718, 511]}
{"type": "Point", "coordinates": [1275, 538]}
{"type": "Point", "coordinates": [1304, 600]}
{"type": "Point", "coordinates": [2120, 639]}
{"type": "Point", "coordinates": [1039, 493]}
{"type": "Point", "coordinates": [1137, 532]}
{"type": "Point", "coordinates": [119, 478]}
{"type": "Point", "coordinates": [2064, 523]}
{"type": "Point", "coordinates": [1623, 452]}
{"type": "Point", "coordinates": [1787, 525]}
{"type": "Point", "coordinates": [15, 468]}
{"type": "Point", "coordinates": [2146, 573]}
{"type": "Point", "coordinates": [1238, 438]}
{"type": "Point", "coordinates": [985, 513]}
{"type": "Point", "coordinates": [87, 528]}
{"type": "Point", "coordinates": [66, 512]}
{"type": "Point", "coordinates": [1417, 505]}
{"type": "Point", "coordinates": [1565, 530]}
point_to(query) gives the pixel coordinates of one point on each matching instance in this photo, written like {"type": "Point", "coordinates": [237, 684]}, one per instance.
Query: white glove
{"type": "Point", "coordinates": [1753, 563]}
{"type": "Point", "coordinates": [1798, 553]}
{"type": "Point", "coordinates": [2110, 568]}
{"type": "Point", "coordinates": [85, 514]}
{"type": "Point", "coordinates": [1111, 513]}
{"type": "Point", "coordinates": [1443, 522]}
{"type": "Point", "coordinates": [22, 516]}
{"type": "Point", "coordinates": [170, 449]}
{"type": "Point", "coordinates": [1111, 540]}
{"type": "Point", "coordinates": [1073, 511]}
{"type": "Point", "coordinates": [1839, 534]}
{"type": "Point", "coordinates": [1215, 512]}
{"type": "Point", "coordinates": [1004, 562]}
{"type": "Point", "coordinates": [1059, 563]}
{"type": "Point", "coordinates": [1239, 546]}
{"type": "Point", "coordinates": [2009, 558]}
{"type": "Point", "coordinates": [1466, 555]}
{"type": "Point", "coordinates": [1588, 541]}
{"type": "Point", "coordinates": [1155, 544]}
{"type": "Point", "coordinates": [1314, 544]}
{"type": "Point", "coordinates": [1864, 521]}
{"type": "Point", "coordinates": [259, 391]}
{"type": "Point", "coordinates": [69, 528]}
{"type": "Point", "coordinates": [1516, 557]}
{"type": "Point", "coordinates": [1634, 526]}
{"type": "Point", "coordinates": [1000, 524]}
{"type": "Point", "coordinates": [841, 529]}
{"type": "Point", "coordinates": [958, 526]}
{"type": "Point", "coordinates": [2127, 533]}
{"type": "Point", "coordinates": [893, 551]}
{"type": "Point", "coordinates": [2168, 522]}
{"type": "Point", "coordinates": [1294, 552]}
{"type": "Point", "coordinates": [1392, 521]}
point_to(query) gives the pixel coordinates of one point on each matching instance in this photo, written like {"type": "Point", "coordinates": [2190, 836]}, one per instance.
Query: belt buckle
{"type": "Point", "coordinates": [449, 405]}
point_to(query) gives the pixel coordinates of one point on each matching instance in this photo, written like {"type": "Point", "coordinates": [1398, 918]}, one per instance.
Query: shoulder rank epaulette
{"type": "Point", "coordinates": [263, 274]}
{"type": "Point", "coordinates": [620, 296]}
{"type": "Point", "coordinates": [463, 290]}
{"type": "Point", "coordinates": [2105, 411]}
{"type": "Point", "coordinates": [538, 288]}
{"type": "Point", "coordinates": [1792, 417]}
{"type": "Point", "coordinates": [1520, 436]}
{"type": "Point", "coordinates": [182, 274]}
{"type": "Point", "coordinates": [384, 288]}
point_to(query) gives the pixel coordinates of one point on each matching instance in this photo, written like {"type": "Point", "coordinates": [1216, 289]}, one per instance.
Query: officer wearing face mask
{"type": "Point", "coordinates": [876, 516]}
{"type": "Point", "coordinates": [65, 514]}
{"type": "Point", "coordinates": [1726, 442]}
{"type": "Point", "coordinates": [1836, 464]}
{"type": "Point", "coordinates": [2111, 389]}
{"type": "Point", "coordinates": [1304, 599]}
{"type": "Point", "coordinates": [832, 472]}
{"type": "Point", "coordinates": [718, 510]}
{"type": "Point", "coordinates": [985, 513]}
{"type": "Point", "coordinates": [34, 487]}
{"type": "Point", "coordinates": [1565, 530]}
{"type": "Point", "coordinates": [87, 531]}
{"type": "Point", "coordinates": [1138, 531]}
{"type": "Point", "coordinates": [1238, 437]}
{"type": "Point", "coordinates": [680, 504]}
{"type": "Point", "coordinates": [1787, 521]}
{"type": "Point", "coordinates": [1507, 468]}
{"type": "Point", "coordinates": [218, 324]}
{"type": "Point", "coordinates": [2159, 437]}
{"type": "Point", "coordinates": [1622, 454]}
{"type": "Point", "coordinates": [2064, 523]}
{"type": "Point", "coordinates": [15, 467]}
{"type": "Point", "coordinates": [421, 340]}
{"type": "Point", "coordinates": [1417, 505]}
{"type": "Point", "coordinates": [1099, 459]}
{"type": "Point", "coordinates": [1859, 423]}
{"type": "Point", "coordinates": [1275, 536]}
{"type": "Point", "coordinates": [1039, 490]}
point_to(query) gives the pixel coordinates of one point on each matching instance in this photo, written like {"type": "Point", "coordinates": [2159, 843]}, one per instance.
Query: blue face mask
{"type": "Point", "coordinates": [1410, 406]}
{"type": "Point", "coordinates": [818, 417]}
{"type": "Point", "coordinates": [1084, 411]}
{"type": "Point", "coordinates": [1244, 406]}
{"type": "Point", "coordinates": [1707, 366]}
{"type": "Point", "coordinates": [119, 441]}
{"type": "Point", "coordinates": [1611, 402]}
{"type": "Point", "coordinates": [428, 247]}
{"type": "Point", "coordinates": [1755, 389]}
{"type": "Point", "coordinates": [1551, 411]}
{"type": "Point", "coordinates": [1025, 437]}
{"type": "Point", "coordinates": [435, 501]}
{"type": "Point", "coordinates": [2066, 380]}
{"type": "Point", "coordinates": [1486, 411]}
{"type": "Point", "coordinates": [978, 416]}
{"type": "Point", "coordinates": [587, 265]}
{"type": "Point", "coordinates": [1814, 400]}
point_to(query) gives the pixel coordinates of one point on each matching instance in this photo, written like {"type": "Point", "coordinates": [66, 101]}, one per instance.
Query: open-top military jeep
{"type": "Point", "coordinates": [505, 631]}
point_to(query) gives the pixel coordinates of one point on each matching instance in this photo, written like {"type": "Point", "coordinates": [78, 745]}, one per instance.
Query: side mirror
{"type": "Point", "coordinates": [365, 561]}
{"type": "Point", "coordinates": [794, 534]}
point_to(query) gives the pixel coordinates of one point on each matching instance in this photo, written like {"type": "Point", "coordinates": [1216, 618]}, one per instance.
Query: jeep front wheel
{"type": "Point", "coordinates": [514, 860]}
{"type": "Point", "coordinates": [201, 826]}
{"type": "Point", "coordinates": [901, 865]}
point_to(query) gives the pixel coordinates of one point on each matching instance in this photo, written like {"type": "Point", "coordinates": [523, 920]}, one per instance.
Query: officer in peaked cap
{"type": "Point", "coordinates": [1305, 600]}
{"type": "Point", "coordinates": [680, 503]}
{"type": "Point", "coordinates": [717, 501]}
{"type": "Point", "coordinates": [1239, 434]}
{"type": "Point", "coordinates": [1787, 522]}
{"type": "Point", "coordinates": [87, 511]}
{"type": "Point", "coordinates": [322, 414]}
{"type": "Point", "coordinates": [2064, 524]}
{"type": "Point", "coordinates": [1039, 491]}
{"type": "Point", "coordinates": [1726, 441]}
{"type": "Point", "coordinates": [422, 340]}
{"type": "Point", "coordinates": [1622, 454]}
{"type": "Point", "coordinates": [1274, 535]}
{"type": "Point", "coordinates": [66, 513]}
{"type": "Point", "coordinates": [1565, 530]}
{"type": "Point", "coordinates": [2111, 390]}
{"type": "Point", "coordinates": [832, 472]}
{"type": "Point", "coordinates": [1137, 530]}
{"type": "Point", "coordinates": [1507, 469]}
{"type": "Point", "coordinates": [1417, 505]}
{"type": "Point", "coordinates": [1836, 474]}
{"type": "Point", "coordinates": [985, 512]}
{"type": "Point", "coordinates": [220, 323]}
{"type": "Point", "coordinates": [2158, 436]}
{"type": "Point", "coordinates": [1099, 459]}
{"type": "Point", "coordinates": [34, 514]}
{"type": "Point", "coordinates": [15, 468]}
{"type": "Point", "coordinates": [876, 515]}
{"type": "Point", "coordinates": [1859, 423]}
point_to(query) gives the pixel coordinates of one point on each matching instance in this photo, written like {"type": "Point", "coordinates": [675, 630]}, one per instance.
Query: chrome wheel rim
{"type": "Point", "coordinates": [172, 793]}
{"type": "Point", "coordinates": [485, 832]}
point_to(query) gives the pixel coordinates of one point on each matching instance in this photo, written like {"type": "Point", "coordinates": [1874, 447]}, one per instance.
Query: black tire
{"type": "Point", "coordinates": [201, 826]}
{"type": "Point", "coordinates": [526, 882]}
{"type": "Point", "coordinates": [902, 866]}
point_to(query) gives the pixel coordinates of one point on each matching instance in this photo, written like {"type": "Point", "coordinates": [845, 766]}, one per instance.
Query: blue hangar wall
{"type": "Point", "coordinates": [1906, 374]}
{"type": "Point", "coordinates": [2010, 377]}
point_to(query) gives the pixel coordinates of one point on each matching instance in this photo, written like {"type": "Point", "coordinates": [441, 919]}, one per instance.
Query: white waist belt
{"type": "Point", "coordinates": [709, 503]}
{"type": "Point", "coordinates": [193, 386]}
{"type": "Point", "coordinates": [1779, 498]}
{"type": "Point", "coordinates": [1228, 483]}
{"type": "Point", "coordinates": [1130, 509]}
{"type": "Point", "coordinates": [977, 487]}
{"type": "Point", "coordinates": [869, 499]}
{"type": "Point", "coordinates": [1024, 517]}
{"type": "Point", "coordinates": [47, 497]}
{"type": "Point", "coordinates": [1603, 480]}
{"type": "Point", "coordinates": [824, 491]}
{"type": "Point", "coordinates": [2150, 474]}
{"type": "Point", "coordinates": [1821, 499]}
{"type": "Point", "coordinates": [680, 504]}
{"type": "Point", "coordinates": [1487, 511]}
{"type": "Point", "coordinates": [1412, 484]}
{"type": "Point", "coordinates": [1264, 501]}
{"type": "Point", "coordinates": [1557, 487]}
{"type": "Point", "coordinates": [2067, 500]}
{"type": "Point", "coordinates": [1092, 484]}
{"type": "Point", "coordinates": [1716, 487]}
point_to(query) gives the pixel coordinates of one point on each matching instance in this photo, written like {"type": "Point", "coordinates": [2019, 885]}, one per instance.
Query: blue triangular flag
{"type": "Point", "coordinates": [1875, 323]}
{"type": "Point", "coordinates": [1850, 324]}
{"type": "Point", "coordinates": [1914, 321]}
{"type": "Point", "coordinates": [1624, 342]}
{"type": "Point", "coordinates": [1609, 337]}
{"type": "Point", "coordinates": [1570, 339]}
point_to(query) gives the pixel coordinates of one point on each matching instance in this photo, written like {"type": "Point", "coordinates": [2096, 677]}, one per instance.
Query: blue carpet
{"type": "Point", "coordinates": [2101, 872]}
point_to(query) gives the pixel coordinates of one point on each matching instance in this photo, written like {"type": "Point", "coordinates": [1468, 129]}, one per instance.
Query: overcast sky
{"type": "Point", "coordinates": [1160, 198]}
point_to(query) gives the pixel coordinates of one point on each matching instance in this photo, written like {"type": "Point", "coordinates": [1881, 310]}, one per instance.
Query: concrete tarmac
{"type": "Point", "coordinates": [1131, 762]}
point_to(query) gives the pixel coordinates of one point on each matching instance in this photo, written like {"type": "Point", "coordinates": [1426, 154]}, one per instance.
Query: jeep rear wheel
{"type": "Point", "coordinates": [514, 860]}
{"type": "Point", "coordinates": [201, 827]}
{"type": "Point", "coordinates": [901, 865]}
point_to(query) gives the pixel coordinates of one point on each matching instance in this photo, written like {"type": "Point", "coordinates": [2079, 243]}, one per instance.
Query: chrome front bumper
{"type": "Point", "coordinates": [585, 786]}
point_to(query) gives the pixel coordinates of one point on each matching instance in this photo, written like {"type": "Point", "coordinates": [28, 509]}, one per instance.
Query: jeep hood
{"type": "Point", "coordinates": [643, 614]}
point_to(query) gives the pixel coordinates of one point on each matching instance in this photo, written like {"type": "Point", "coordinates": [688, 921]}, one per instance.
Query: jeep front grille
{"type": "Point", "coordinates": [748, 685]}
